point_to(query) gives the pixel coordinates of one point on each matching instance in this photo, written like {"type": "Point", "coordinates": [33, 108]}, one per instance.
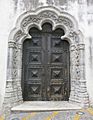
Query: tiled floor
{"type": "Point", "coordinates": [83, 114]}
{"type": "Point", "coordinates": [50, 111]}
{"type": "Point", "coordinates": [46, 106]}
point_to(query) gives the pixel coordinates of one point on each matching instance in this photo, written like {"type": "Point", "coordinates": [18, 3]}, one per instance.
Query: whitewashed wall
{"type": "Point", "coordinates": [11, 9]}
{"type": "Point", "coordinates": [89, 52]}
{"type": "Point", "coordinates": [4, 26]}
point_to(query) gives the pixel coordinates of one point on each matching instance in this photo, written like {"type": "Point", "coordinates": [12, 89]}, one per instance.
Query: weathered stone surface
{"type": "Point", "coordinates": [78, 47]}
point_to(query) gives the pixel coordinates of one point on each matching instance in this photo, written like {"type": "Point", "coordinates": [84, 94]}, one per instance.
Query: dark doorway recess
{"type": "Point", "coordinates": [46, 65]}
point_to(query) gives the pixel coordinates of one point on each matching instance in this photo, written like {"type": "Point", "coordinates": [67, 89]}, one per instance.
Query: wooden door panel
{"type": "Point", "coordinates": [35, 57]}
{"type": "Point", "coordinates": [46, 65]}
{"type": "Point", "coordinates": [56, 83]}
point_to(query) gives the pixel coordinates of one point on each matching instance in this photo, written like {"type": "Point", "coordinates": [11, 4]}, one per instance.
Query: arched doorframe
{"type": "Point", "coordinates": [73, 35]}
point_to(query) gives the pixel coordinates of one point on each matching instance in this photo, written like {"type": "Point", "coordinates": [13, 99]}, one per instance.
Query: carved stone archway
{"type": "Point", "coordinates": [73, 35]}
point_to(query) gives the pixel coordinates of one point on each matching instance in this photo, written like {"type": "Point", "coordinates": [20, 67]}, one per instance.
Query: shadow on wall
{"type": "Point", "coordinates": [0, 101]}
{"type": "Point", "coordinates": [1, 114]}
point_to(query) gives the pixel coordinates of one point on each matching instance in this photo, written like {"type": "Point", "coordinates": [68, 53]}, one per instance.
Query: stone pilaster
{"type": "Point", "coordinates": [78, 82]}
{"type": "Point", "coordinates": [72, 71]}
{"type": "Point", "coordinates": [82, 91]}
{"type": "Point", "coordinates": [8, 100]}
{"type": "Point", "coordinates": [19, 70]}
{"type": "Point", "coordinates": [13, 94]}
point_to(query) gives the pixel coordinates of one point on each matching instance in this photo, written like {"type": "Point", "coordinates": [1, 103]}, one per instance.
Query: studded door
{"type": "Point", "coordinates": [45, 70]}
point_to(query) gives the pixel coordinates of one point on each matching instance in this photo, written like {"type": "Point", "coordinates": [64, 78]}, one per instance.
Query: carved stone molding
{"type": "Point", "coordinates": [46, 15]}
{"type": "Point", "coordinates": [40, 16]}
{"type": "Point", "coordinates": [73, 35]}
{"type": "Point", "coordinates": [11, 44]}
{"type": "Point", "coordinates": [18, 35]}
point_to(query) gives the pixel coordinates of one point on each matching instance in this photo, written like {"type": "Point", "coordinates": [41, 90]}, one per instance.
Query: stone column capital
{"type": "Point", "coordinates": [12, 44]}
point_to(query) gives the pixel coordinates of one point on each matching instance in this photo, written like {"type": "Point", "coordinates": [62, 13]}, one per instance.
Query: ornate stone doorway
{"type": "Point", "coordinates": [46, 65]}
{"type": "Point", "coordinates": [58, 19]}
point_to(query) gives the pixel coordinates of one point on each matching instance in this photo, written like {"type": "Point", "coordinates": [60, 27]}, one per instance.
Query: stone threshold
{"type": "Point", "coordinates": [32, 106]}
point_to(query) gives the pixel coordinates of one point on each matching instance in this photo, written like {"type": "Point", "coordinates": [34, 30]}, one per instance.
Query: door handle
{"type": "Point", "coordinates": [43, 74]}
{"type": "Point", "coordinates": [48, 89]}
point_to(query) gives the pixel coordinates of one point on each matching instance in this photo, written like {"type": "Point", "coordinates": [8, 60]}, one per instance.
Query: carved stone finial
{"type": "Point", "coordinates": [31, 4]}
{"type": "Point", "coordinates": [50, 2]}
{"type": "Point", "coordinates": [56, 2]}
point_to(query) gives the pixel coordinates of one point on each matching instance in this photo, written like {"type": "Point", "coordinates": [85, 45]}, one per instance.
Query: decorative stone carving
{"type": "Point", "coordinates": [56, 2]}
{"type": "Point", "coordinates": [30, 19]}
{"type": "Point", "coordinates": [46, 15]}
{"type": "Point", "coordinates": [18, 35]}
{"type": "Point", "coordinates": [65, 21]}
{"type": "Point", "coordinates": [50, 2]}
{"type": "Point", "coordinates": [58, 19]}
{"type": "Point", "coordinates": [74, 36]}
{"type": "Point", "coordinates": [15, 57]}
{"type": "Point", "coordinates": [11, 44]}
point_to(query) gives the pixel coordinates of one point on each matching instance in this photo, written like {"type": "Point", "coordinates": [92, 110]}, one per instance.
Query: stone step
{"type": "Point", "coordinates": [45, 106]}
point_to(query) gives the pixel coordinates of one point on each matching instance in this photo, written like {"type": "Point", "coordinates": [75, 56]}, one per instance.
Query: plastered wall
{"type": "Point", "coordinates": [80, 9]}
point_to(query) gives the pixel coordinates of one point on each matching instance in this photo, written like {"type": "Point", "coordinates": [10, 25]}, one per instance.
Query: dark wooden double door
{"type": "Point", "coordinates": [45, 71]}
